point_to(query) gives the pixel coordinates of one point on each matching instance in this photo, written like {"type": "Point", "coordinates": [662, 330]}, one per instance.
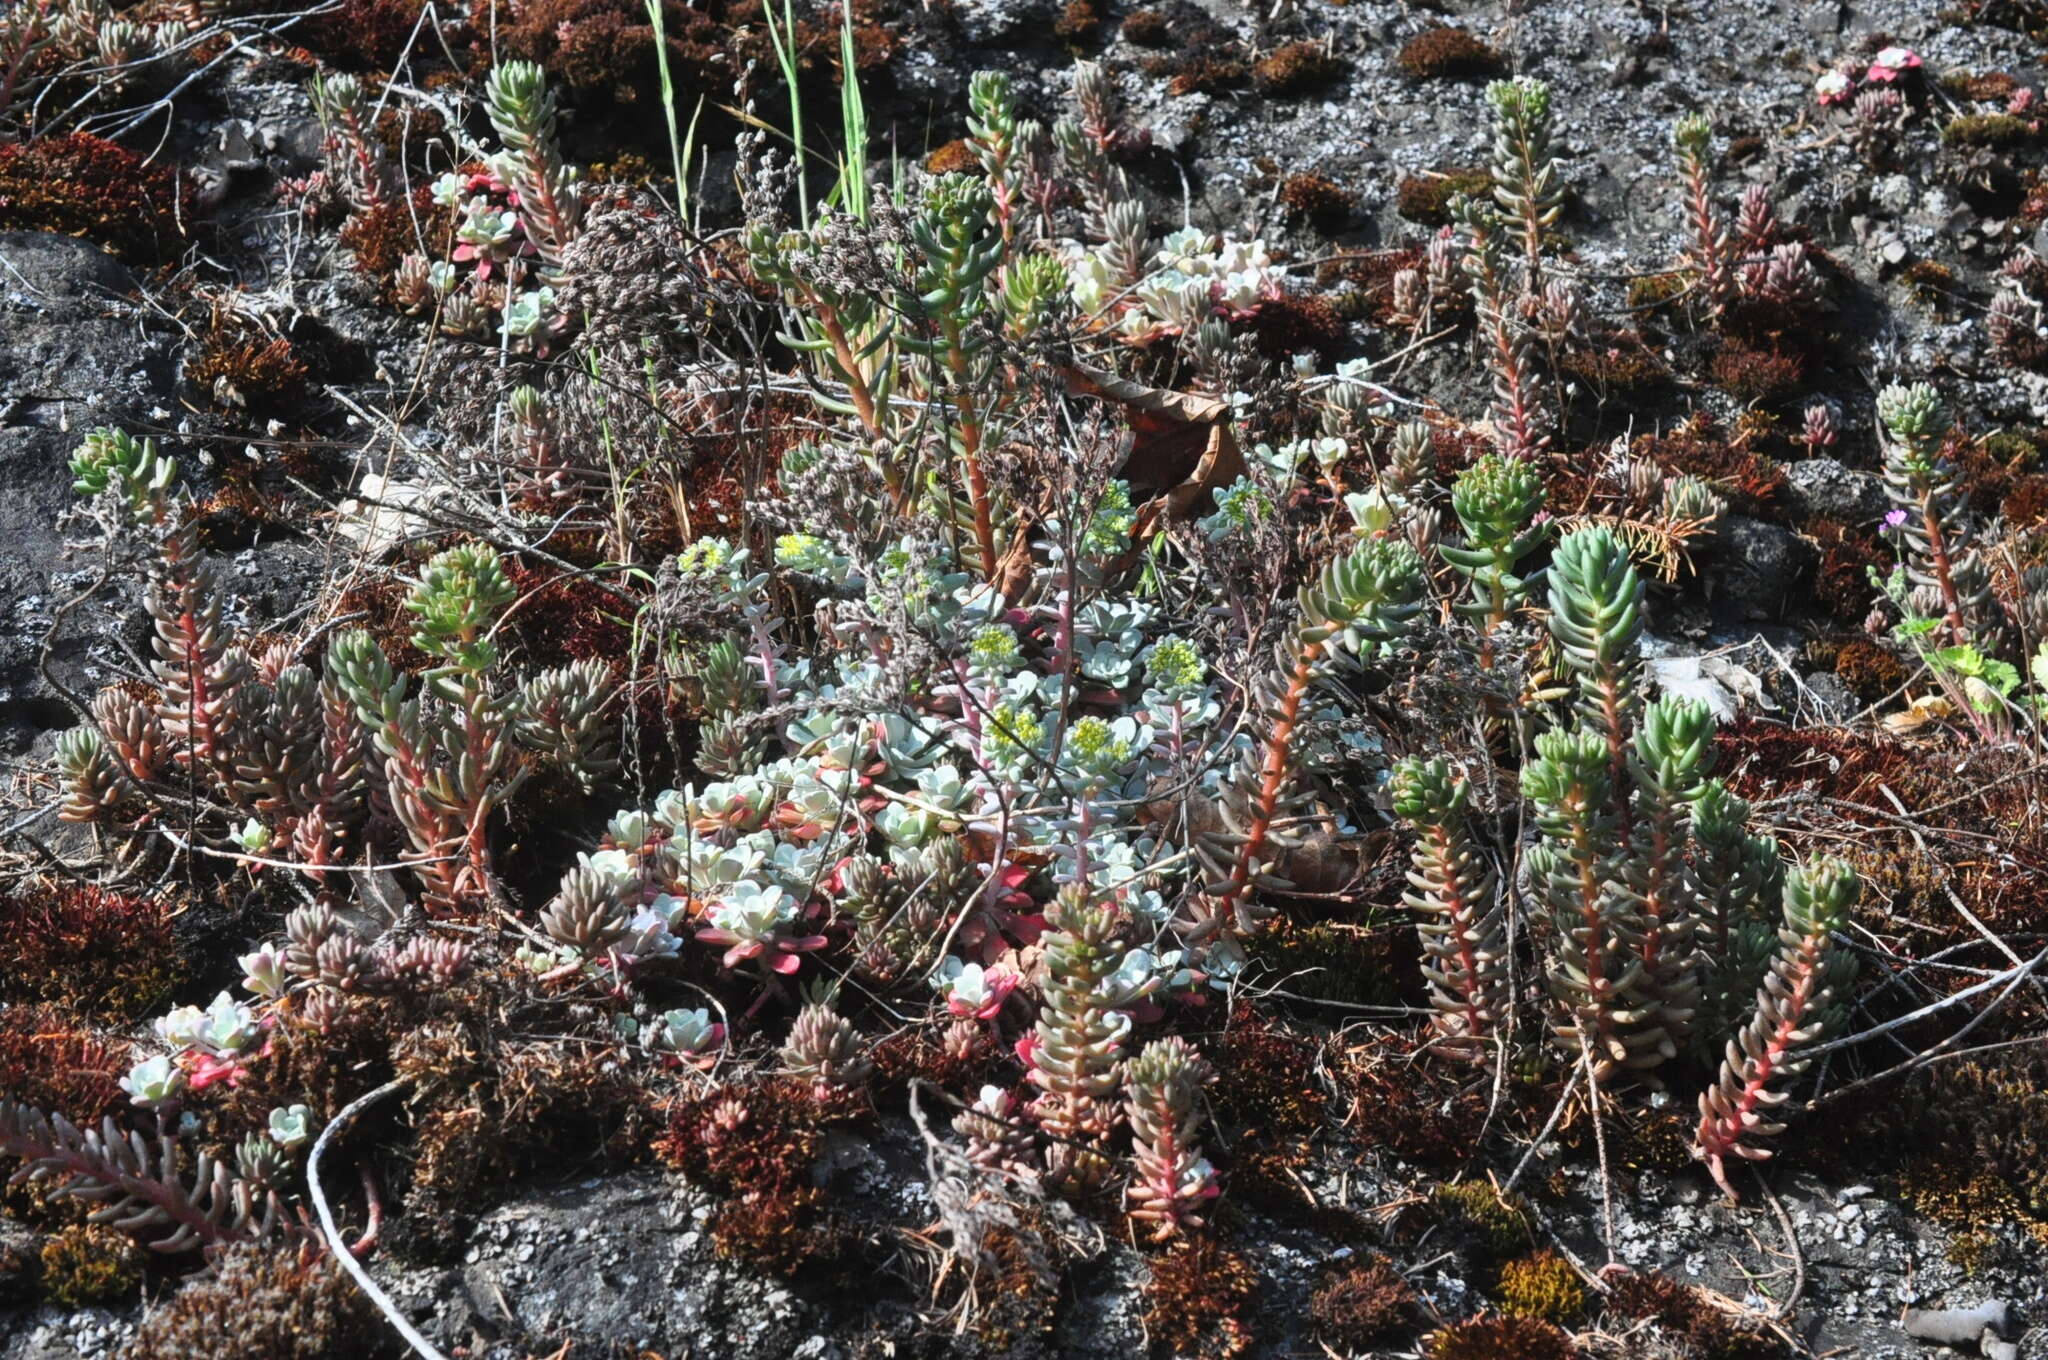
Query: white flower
{"type": "Point", "coordinates": [263, 972]}
{"type": "Point", "coordinates": [289, 1128]}
{"type": "Point", "coordinates": [153, 1081]}
{"type": "Point", "coordinates": [1304, 365]}
{"type": "Point", "coordinates": [1831, 85]}
{"type": "Point", "coordinates": [1897, 58]}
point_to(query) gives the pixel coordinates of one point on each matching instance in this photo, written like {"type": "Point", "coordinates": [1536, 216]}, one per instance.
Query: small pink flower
{"type": "Point", "coordinates": [1833, 89]}
{"type": "Point", "coordinates": [2022, 100]}
{"type": "Point", "coordinates": [1892, 63]}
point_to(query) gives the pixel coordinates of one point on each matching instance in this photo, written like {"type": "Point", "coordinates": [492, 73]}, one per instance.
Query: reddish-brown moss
{"type": "Point", "coordinates": [1296, 324]}
{"type": "Point", "coordinates": [1620, 367]}
{"type": "Point", "coordinates": [1079, 20]}
{"type": "Point", "coordinates": [1206, 73]}
{"type": "Point", "coordinates": [76, 184]}
{"type": "Point", "coordinates": [1362, 1305]}
{"type": "Point", "coordinates": [1748, 479]}
{"type": "Point", "coordinates": [1988, 88]}
{"type": "Point", "coordinates": [1266, 1095]}
{"type": "Point", "coordinates": [1757, 372]}
{"type": "Point", "coordinates": [1446, 53]}
{"type": "Point", "coordinates": [368, 35]}
{"type": "Point", "coordinates": [756, 1142]}
{"type": "Point", "coordinates": [1317, 199]}
{"type": "Point", "coordinates": [240, 369]}
{"type": "Point", "coordinates": [1870, 672]}
{"type": "Point", "coordinates": [1147, 28]}
{"type": "Point", "coordinates": [954, 158]}
{"type": "Point", "coordinates": [1500, 1338]}
{"type": "Point", "coordinates": [261, 1300]}
{"type": "Point", "coordinates": [1847, 556]}
{"type": "Point", "coordinates": [1296, 68]}
{"type": "Point", "coordinates": [50, 1061]}
{"type": "Point", "coordinates": [1426, 198]}
{"type": "Point", "coordinates": [77, 945]}
{"type": "Point", "coordinates": [1687, 1316]}
{"type": "Point", "coordinates": [1198, 1301]}
{"type": "Point", "coordinates": [380, 238]}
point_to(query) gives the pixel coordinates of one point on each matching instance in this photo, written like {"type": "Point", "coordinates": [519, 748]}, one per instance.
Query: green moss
{"type": "Point", "coordinates": [1501, 1223]}
{"type": "Point", "coordinates": [89, 1263]}
{"type": "Point", "coordinates": [1542, 1285]}
{"type": "Point", "coordinates": [1988, 129]}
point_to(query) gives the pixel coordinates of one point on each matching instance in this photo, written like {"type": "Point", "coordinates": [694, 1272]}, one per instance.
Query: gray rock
{"type": "Point", "coordinates": [1959, 1326]}
{"type": "Point", "coordinates": [74, 354]}
{"type": "Point", "coordinates": [1764, 568]}
{"type": "Point", "coordinates": [1822, 486]}
{"type": "Point", "coordinates": [985, 21]}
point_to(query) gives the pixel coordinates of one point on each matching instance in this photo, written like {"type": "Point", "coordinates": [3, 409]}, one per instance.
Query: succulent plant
{"type": "Point", "coordinates": [1795, 1008]}
{"type": "Point", "coordinates": [1453, 891]}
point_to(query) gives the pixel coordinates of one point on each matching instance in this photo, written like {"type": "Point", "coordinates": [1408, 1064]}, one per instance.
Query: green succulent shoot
{"type": "Point", "coordinates": [457, 596]}
{"type": "Point", "coordinates": [1495, 500]}
{"type": "Point", "coordinates": [1918, 419]}
{"type": "Point", "coordinates": [114, 460]}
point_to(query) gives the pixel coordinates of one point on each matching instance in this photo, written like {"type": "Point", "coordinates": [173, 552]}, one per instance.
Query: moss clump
{"type": "Point", "coordinates": [1147, 28]}
{"type": "Point", "coordinates": [1686, 1314]}
{"type": "Point", "coordinates": [1294, 324]}
{"type": "Point", "coordinates": [1757, 372]}
{"type": "Point", "coordinates": [1317, 199]}
{"type": "Point", "coordinates": [1932, 283]}
{"type": "Point", "coordinates": [1447, 53]}
{"type": "Point", "coordinates": [1500, 1338]}
{"type": "Point", "coordinates": [1626, 368]}
{"type": "Point", "coordinates": [1363, 1305]}
{"type": "Point", "coordinates": [1868, 670]}
{"type": "Point", "coordinates": [1992, 88]}
{"type": "Point", "coordinates": [249, 372]}
{"type": "Point", "coordinates": [1197, 1301]}
{"type": "Point", "coordinates": [262, 1301]}
{"type": "Point", "coordinates": [50, 1061]}
{"type": "Point", "coordinates": [1542, 1285]}
{"type": "Point", "coordinates": [90, 1263]}
{"type": "Point", "coordinates": [1501, 1224]}
{"type": "Point", "coordinates": [1989, 129]}
{"type": "Point", "coordinates": [76, 945]}
{"type": "Point", "coordinates": [1296, 68]}
{"type": "Point", "coordinates": [80, 185]}
{"type": "Point", "coordinates": [1078, 21]}
{"type": "Point", "coordinates": [1426, 198]}
{"type": "Point", "coordinates": [1648, 291]}
{"type": "Point", "coordinates": [954, 158]}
